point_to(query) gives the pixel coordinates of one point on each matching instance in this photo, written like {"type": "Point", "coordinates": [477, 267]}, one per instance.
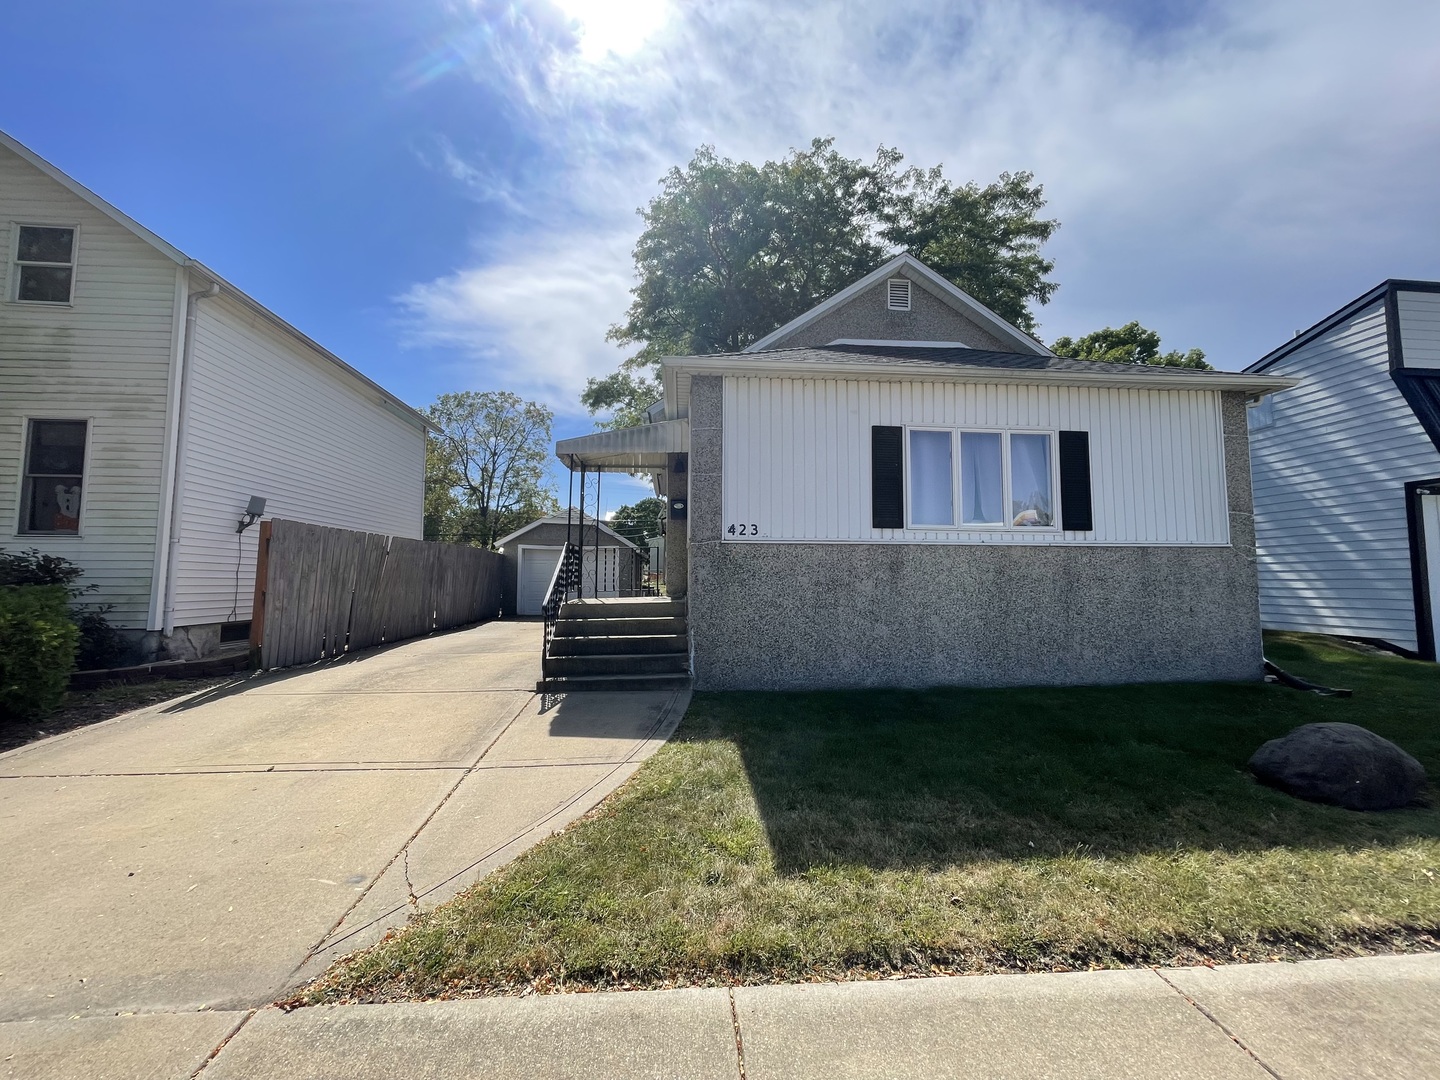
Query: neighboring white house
{"type": "Point", "coordinates": [901, 488]}
{"type": "Point", "coordinates": [144, 400]}
{"type": "Point", "coordinates": [1346, 470]}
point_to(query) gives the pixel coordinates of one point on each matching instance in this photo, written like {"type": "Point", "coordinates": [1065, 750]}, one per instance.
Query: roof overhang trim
{"type": "Point", "coordinates": [634, 449]}
{"type": "Point", "coordinates": [681, 368]}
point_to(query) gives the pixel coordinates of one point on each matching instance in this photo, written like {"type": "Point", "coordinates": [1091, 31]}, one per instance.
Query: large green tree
{"type": "Point", "coordinates": [639, 521]}
{"type": "Point", "coordinates": [485, 473]}
{"type": "Point", "coordinates": [730, 250]}
{"type": "Point", "coordinates": [1130, 344]}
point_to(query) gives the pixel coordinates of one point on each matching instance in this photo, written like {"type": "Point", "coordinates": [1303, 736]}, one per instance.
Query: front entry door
{"type": "Point", "coordinates": [1430, 522]}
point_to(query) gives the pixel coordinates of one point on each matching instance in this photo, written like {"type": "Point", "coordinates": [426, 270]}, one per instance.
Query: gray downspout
{"type": "Point", "coordinates": [177, 491]}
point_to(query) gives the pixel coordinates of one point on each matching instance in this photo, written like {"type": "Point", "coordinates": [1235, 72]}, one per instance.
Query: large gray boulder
{"type": "Point", "coordinates": [1340, 764]}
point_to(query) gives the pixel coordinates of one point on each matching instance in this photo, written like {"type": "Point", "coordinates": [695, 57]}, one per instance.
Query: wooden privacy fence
{"type": "Point", "coordinates": [320, 591]}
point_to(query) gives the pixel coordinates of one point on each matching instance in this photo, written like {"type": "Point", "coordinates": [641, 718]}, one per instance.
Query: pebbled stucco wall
{"type": "Point", "coordinates": [866, 316]}
{"type": "Point", "coordinates": [804, 616]}
{"type": "Point", "coordinates": [677, 536]}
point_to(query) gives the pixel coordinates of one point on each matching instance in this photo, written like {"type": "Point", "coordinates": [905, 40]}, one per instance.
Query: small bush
{"type": "Point", "coordinates": [37, 649]}
{"type": "Point", "coordinates": [101, 645]}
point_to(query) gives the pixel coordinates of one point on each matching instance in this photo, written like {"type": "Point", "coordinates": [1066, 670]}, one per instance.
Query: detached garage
{"type": "Point", "coordinates": [532, 553]}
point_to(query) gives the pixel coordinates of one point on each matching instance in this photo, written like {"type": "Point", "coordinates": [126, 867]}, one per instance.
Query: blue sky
{"type": "Point", "coordinates": [443, 191]}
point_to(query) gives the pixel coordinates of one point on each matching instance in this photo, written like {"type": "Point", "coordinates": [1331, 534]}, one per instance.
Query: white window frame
{"type": "Point", "coordinates": [1054, 481]}
{"type": "Point", "coordinates": [22, 505]}
{"type": "Point", "coordinates": [985, 526]}
{"type": "Point", "coordinates": [910, 522]}
{"type": "Point", "coordinates": [1006, 525]}
{"type": "Point", "coordinates": [12, 287]}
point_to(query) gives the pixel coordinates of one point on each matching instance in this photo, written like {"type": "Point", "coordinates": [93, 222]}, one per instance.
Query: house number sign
{"type": "Point", "coordinates": [743, 530]}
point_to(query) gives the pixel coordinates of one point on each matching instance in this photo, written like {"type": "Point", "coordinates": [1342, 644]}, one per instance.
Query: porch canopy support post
{"type": "Point", "coordinates": [580, 586]}
{"type": "Point", "coordinates": [570, 507]}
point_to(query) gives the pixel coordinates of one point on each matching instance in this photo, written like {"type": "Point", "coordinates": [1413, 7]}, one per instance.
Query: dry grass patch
{"type": "Point", "coordinates": [823, 835]}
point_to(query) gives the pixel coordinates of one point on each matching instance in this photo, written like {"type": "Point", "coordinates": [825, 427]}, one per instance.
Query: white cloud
{"type": "Point", "coordinates": [1247, 170]}
{"type": "Point", "coordinates": [531, 319]}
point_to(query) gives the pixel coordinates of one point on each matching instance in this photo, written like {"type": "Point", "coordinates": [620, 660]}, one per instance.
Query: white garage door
{"type": "Point", "coordinates": [537, 567]}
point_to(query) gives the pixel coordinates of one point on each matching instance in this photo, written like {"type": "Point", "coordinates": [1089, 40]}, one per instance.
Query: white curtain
{"type": "Point", "coordinates": [1030, 501]}
{"type": "Point", "coordinates": [932, 500]}
{"type": "Point", "coordinates": [982, 496]}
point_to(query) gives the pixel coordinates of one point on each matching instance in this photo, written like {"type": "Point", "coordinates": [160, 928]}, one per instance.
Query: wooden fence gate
{"type": "Point", "coordinates": [320, 591]}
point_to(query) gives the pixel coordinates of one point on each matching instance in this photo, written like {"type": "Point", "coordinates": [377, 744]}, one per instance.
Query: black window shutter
{"type": "Point", "coordinates": [887, 477]}
{"type": "Point", "coordinates": [1075, 512]}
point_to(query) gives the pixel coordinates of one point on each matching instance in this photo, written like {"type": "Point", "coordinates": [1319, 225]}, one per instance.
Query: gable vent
{"type": "Point", "coordinates": [898, 294]}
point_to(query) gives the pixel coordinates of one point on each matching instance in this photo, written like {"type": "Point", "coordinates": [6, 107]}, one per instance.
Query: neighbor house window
{"type": "Point", "coordinates": [1260, 414]}
{"type": "Point", "coordinates": [44, 264]}
{"type": "Point", "coordinates": [54, 476]}
{"type": "Point", "coordinates": [999, 479]}
{"type": "Point", "coordinates": [932, 484]}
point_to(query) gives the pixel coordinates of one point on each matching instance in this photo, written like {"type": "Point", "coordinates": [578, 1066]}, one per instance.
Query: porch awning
{"type": "Point", "coordinates": [632, 449]}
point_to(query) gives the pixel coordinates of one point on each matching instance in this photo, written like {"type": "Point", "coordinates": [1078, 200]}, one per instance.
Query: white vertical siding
{"type": "Point", "coordinates": [1329, 478]}
{"type": "Point", "coordinates": [797, 456]}
{"type": "Point", "coordinates": [268, 417]}
{"type": "Point", "coordinates": [1419, 328]}
{"type": "Point", "coordinates": [106, 357]}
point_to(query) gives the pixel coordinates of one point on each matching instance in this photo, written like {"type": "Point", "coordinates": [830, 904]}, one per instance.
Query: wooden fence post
{"type": "Point", "coordinates": [257, 610]}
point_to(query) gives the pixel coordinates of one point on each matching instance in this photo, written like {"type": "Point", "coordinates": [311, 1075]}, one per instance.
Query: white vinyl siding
{"type": "Point", "coordinates": [106, 358]}
{"type": "Point", "coordinates": [267, 417]}
{"type": "Point", "coordinates": [797, 457]}
{"type": "Point", "coordinates": [1419, 328]}
{"type": "Point", "coordinates": [1329, 476]}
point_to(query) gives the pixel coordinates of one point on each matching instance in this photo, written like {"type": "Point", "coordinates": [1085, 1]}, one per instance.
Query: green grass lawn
{"type": "Point", "coordinates": [833, 835]}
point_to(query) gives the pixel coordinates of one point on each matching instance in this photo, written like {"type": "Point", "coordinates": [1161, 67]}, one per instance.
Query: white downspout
{"type": "Point", "coordinates": [177, 492]}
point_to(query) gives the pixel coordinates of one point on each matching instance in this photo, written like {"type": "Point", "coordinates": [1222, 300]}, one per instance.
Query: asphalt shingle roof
{"type": "Point", "coordinates": [959, 356]}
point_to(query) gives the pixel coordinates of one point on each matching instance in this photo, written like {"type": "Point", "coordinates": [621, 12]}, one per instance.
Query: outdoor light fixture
{"type": "Point", "coordinates": [253, 510]}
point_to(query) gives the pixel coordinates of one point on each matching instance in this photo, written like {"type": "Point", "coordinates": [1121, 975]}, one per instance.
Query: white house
{"type": "Point", "coordinates": [899, 488]}
{"type": "Point", "coordinates": [144, 401]}
{"type": "Point", "coordinates": [1346, 470]}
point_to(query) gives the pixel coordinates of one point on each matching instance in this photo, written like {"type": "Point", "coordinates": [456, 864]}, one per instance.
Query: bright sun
{"type": "Point", "coordinates": [613, 26]}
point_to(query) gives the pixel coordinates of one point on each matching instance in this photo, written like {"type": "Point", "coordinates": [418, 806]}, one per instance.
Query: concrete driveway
{"type": "Point", "coordinates": [206, 855]}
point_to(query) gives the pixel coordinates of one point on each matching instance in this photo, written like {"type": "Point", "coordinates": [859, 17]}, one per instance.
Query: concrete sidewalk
{"type": "Point", "coordinates": [1318, 1020]}
{"type": "Point", "coordinates": [188, 860]}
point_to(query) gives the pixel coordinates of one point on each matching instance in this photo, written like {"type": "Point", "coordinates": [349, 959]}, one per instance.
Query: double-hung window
{"type": "Point", "coordinates": [932, 482]}
{"type": "Point", "coordinates": [44, 264]}
{"type": "Point", "coordinates": [996, 479]}
{"type": "Point", "coordinates": [1032, 500]}
{"type": "Point", "coordinates": [54, 476]}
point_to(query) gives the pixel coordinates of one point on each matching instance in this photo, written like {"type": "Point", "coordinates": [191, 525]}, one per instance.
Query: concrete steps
{"type": "Point", "coordinates": [613, 682]}
{"type": "Point", "coordinates": [594, 626]}
{"type": "Point", "coordinates": [619, 644]}
{"type": "Point", "coordinates": [637, 643]}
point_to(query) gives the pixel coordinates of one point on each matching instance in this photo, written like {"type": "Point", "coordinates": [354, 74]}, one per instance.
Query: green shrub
{"type": "Point", "coordinates": [37, 649]}
{"type": "Point", "coordinates": [101, 645]}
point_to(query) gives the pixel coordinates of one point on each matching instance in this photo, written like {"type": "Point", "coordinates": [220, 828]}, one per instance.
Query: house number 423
{"type": "Point", "coordinates": [743, 530]}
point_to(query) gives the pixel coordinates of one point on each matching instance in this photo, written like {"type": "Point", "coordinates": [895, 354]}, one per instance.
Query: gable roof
{"type": "Point", "coordinates": [80, 191]}
{"type": "Point", "coordinates": [942, 288]}
{"type": "Point", "coordinates": [560, 519]}
{"type": "Point", "coordinates": [1420, 387]}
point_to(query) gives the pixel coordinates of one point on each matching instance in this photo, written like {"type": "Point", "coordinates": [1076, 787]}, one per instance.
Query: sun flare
{"type": "Point", "coordinates": [613, 26]}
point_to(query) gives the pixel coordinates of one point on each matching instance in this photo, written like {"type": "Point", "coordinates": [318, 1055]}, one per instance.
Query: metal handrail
{"type": "Point", "coordinates": [564, 582]}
